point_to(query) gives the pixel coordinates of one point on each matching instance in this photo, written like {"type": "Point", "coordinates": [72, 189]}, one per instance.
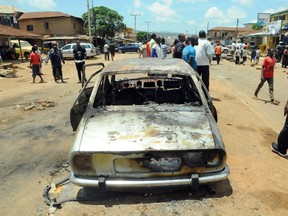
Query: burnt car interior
{"type": "Point", "coordinates": [145, 90]}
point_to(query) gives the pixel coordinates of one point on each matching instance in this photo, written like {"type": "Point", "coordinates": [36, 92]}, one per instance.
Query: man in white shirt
{"type": "Point", "coordinates": [204, 55]}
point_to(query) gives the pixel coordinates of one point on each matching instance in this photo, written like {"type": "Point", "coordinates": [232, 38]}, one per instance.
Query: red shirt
{"type": "Point", "coordinates": [35, 58]}
{"type": "Point", "coordinates": [218, 50]}
{"type": "Point", "coordinates": [268, 65]}
{"type": "Point", "coordinates": [148, 49]}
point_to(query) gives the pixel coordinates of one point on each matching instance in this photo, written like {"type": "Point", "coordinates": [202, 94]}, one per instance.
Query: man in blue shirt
{"type": "Point", "coordinates": [189, 53]}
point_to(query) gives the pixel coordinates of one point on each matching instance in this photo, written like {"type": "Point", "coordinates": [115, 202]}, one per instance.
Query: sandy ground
{"type": "Point", "coordinates": [35, 145]}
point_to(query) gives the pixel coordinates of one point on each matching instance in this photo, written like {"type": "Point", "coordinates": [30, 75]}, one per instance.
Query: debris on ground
{"type": "Point", "coordinates": [40, 105]}
{"type": "Point", "coordinates": [8, 73]}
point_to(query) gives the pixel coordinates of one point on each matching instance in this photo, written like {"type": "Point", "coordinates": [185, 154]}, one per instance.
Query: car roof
{"type": "Point", "coordinates": [149, 65]}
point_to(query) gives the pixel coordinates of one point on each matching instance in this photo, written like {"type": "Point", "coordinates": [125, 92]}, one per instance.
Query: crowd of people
{"type": "Point", "coordinates": [197, 51]}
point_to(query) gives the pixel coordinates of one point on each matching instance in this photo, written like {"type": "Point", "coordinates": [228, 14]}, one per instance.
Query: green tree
{"type": "Point", "coordinates": [256, 27]}
{"type": "Point", "coordinates": [143, 36]}
{"type": "Point", "coordinates": [108, 22]}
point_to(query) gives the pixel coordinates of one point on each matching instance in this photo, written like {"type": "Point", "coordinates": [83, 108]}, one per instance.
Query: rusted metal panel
{"type": "Point", "coordinates": [149, 65]}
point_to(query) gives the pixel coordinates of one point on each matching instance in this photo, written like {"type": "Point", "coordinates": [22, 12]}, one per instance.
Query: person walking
{"type": "Point", "coordinates": [106, 52]}
{"type": "Point", "coordinates": [79, 54]}
{"type": "Point", "coordinates": [267, 74]}
{"type": "Point", "coordinates": [56, 57]}
{"type": "Point", "coordinates": [245, 54]}
{"type": "Point", "coordinates": [177, 53]}
{"type": "Point", "coordinates": [282, 142]}
{"type": "Point", "coordinates": [218, 52]}
{"type": "Point", "coordinates": [279, 50]}
{"type": "Point", "coordinates": [204, 55]}
{"type": "Point", "coordinates": [40, 54]}
{"type": "Point", "coordinates": [35, 64]}
{"type": "Point", "coordinates": [285, 57]}
{"type": "Point", "coordinates": [189, 52]}
{"type": "Point", "coordinates": [253, 57]}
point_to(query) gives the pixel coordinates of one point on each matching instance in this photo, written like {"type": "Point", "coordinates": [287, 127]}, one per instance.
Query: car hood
{"type": "Point", "coordinates": [149, 128]}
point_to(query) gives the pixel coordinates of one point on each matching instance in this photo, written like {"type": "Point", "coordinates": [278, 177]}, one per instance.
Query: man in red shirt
{"type": "Point", "coordinates": [35, 64]}
{"type": "Point", "coordinates": [267, 75]}
{"type": "Point", "coordinates": [218, 52]}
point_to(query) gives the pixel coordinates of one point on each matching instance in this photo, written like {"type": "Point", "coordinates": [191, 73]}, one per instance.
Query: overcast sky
{"type": "Point", "coordinates": [165, 15]}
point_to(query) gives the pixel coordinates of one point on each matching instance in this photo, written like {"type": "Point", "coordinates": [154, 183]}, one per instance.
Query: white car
{"type": "Point", "coordinates": [67, 50]}
{"type": "Point", "coordinates": [147, 123]}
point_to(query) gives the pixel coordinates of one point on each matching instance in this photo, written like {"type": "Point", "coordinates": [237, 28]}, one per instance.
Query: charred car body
{"type": "Point", "coordinates": [146, 123]}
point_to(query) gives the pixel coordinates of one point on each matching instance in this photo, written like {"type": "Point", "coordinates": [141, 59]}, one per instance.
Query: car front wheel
{"type": "Point", "coordinates": [225, 51]}
{"type": "Point", "coordinates": [120, 51]}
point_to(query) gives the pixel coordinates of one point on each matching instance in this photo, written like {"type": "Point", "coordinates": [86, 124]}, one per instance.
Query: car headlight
{"type": "Point", "coordinates": [82, 163]}
{"type": "Point", "coordinates": [206, 159]}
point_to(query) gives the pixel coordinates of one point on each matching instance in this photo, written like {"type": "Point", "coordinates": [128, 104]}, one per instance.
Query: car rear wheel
{"type": "Point", "coordinates": [225, 51]}
{"type": "Point", "coordinates": [120, 51]}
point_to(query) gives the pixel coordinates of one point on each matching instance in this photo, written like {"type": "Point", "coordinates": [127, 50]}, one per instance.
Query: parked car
{"type": "Point", "coordinates": [145, 124]}
{"type": "Point", "coordinates": [26, 48]}
{"type": "Point", "coordinates": [67, 50]}
{"type": "Point", "coordinates": [130, 47]}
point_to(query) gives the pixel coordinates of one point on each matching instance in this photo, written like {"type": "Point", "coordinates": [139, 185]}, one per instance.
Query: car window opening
{"type": "Point", "coordinates": [146, 90]}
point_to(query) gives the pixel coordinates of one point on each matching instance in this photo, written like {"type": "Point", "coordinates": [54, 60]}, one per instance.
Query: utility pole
{"type": "Point", "coordinates": [147, 29]}
{"type": "Point", "coordinates": [95, 26]}
{"type": "Point", "coordinates": [236, 30]}
{"type": "Point", "coordinates": [207, 27]}
{"type": "Point", "coordinates": [89, 25]}
{"type": "Point", "coordinates": [135, 15]}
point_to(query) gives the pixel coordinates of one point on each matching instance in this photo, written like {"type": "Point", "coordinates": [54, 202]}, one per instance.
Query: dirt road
{"type": "Point", "coordinates": [35, 145]}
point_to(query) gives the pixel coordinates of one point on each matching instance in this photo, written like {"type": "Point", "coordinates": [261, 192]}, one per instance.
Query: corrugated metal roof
{"type": "Point", "coordinates": [8, 9]}
{"type": "Point", "coordinates": [41, 15]}
{"type": "Point", "coordinates": [12, 32]}
{"type": "Point", "coordinates": [232, 29]}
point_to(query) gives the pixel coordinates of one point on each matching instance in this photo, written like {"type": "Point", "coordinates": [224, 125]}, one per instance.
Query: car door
{"type": "Point", "coordinates": [81, 102]}
{"type": "Point", "coordinates": [67, 51]}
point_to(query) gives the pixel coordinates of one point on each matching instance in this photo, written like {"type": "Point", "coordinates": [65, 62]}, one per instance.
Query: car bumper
{"type": "Point", "coordinates": [121, 184]}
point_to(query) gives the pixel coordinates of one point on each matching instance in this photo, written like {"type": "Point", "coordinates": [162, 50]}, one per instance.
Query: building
{"type": "Point", "coordinates": [51, 23]}
{"type": "Point", "coordinates": [227, 34]}
{"type": "Point", "coordinates": [272, 32]}
{"type": "Point", "coordinates": [9, 16]}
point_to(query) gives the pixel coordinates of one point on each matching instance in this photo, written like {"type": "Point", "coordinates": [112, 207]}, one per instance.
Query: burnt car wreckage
{"type": "Point", "coordinates": [146, 123]}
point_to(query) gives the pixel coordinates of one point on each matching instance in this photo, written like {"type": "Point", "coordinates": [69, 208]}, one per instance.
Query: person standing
{"type": "Point", "coordinates": [189, 53]}
{"type": "Point", "coordinates": [150, 44]}
{"type": "Point", "coordinates": [79, 54]}
{"type": "Point", "coordinates": [258, 54]}
{"type": "Point", "coordinates": [237, 56]}
{"type": "Point", "coordinates": [106, 52]}
{"type": "Point", "coordinates": [204, 55]}
{"type": "Point", "coordinates": [164, 48]}
{"type": "Point", "coordinates": [56, 57]}
{"type": "Point", "coordinates": [177, 53]}
{"type": "Point", "coordinates": [233, 49]}
{"type": "Point", "coordinates": [35, 64]}
{"type": "Point", "coordinates": [218, 52]}
{"type": "Point", "coordinates": [112, 50]}
{"type": "Point", "coordinates": [156, 49]}
{"type": "Point", "coordinates": [282, 145]}
{"type": "Point", "coordinates": [267, 74]}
